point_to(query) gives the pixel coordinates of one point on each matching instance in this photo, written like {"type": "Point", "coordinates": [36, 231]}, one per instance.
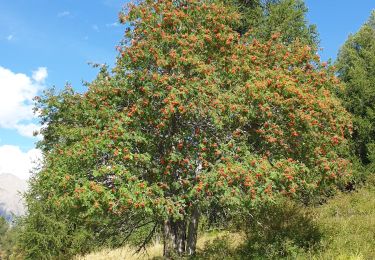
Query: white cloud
{"type": "Point", "coordinates": [40, 74]}
{"type": "Point", "coordinates": [16, 93]}
{"type": "Point", "coordinates": [63, 14]}
{"type": "Point", "coordinates": [95, 28]}
{"type": "Point", "coordinates": [14, 161]}
{"type": "Point", "coordinates": [28, 129]}
{"type": "Point", "coordinates": [10, 37]}
{"type": "Point", "coordinates": [115, 24]}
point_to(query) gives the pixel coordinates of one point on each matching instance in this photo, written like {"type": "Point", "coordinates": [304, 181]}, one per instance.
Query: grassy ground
{"type": "Point", "coordinates": [156, 250]}
{"type": "Point", "coordinates": [346, 225]}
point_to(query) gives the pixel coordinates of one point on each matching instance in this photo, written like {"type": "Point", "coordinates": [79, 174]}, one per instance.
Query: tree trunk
{"type": "Point", "coordinates": [174, 238]}
{"type": "Point", "coordinates": [169, 239]}
{"type": "Point", "coordinates": [180, 237]}
{"type": "Point", "coordinates": [193, 231]}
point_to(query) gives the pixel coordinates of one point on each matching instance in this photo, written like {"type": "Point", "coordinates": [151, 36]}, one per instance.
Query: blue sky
{"type": "Point", "coordinates": [336, 19]}
{"type": "Point", "coordinates": [46, 43]}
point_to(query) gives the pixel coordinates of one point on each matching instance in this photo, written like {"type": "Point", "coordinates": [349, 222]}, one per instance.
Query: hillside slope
{"type": "Point", "coordinates": [348, 225]}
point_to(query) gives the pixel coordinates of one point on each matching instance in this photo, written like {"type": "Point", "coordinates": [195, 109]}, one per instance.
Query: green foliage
{"type": "Point", "coordinates": [266, 17]}
{"type": "Point", "coordinates": [343, 228]}
{"type": "Point", "coordinates": [3, 226]}
{"type": "Point", "coordinates": [356, 68]}
{"type": "Point", "coordinates": [55, 232]}
{"type": "Point", "coordinates": [9, 240]}
{"type": "Point", "coordinates": [284, 229]}
{"type": "Point", "coordinates": [47, 235]}
{"type": "Point", "coordinates": [194, 114]}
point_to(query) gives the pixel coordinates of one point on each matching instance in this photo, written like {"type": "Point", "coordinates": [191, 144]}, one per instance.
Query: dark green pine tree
{"type": "Point", "coordinates": [356, 68]}
{"type": "Point", "coordinates": [265, 17]}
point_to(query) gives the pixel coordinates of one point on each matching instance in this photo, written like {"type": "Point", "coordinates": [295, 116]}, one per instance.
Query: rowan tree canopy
{"type": "Point", "coordinates": [193, 114]}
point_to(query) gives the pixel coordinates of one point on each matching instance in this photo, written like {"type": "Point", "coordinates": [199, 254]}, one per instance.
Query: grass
{"type": "Point", "coordinates": [155, 251]}
{"type": "Point", "coordinates": [346, 224]}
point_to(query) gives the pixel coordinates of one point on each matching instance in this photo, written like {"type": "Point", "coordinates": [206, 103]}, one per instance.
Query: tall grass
{"type": "Point", "coordinates": [348, 225]}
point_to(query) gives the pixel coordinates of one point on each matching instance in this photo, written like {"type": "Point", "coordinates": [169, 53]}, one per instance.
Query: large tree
{"type": "Point", "coordinates": [266, 17]}
{"type": "Point", "coordinates": [194, 114]}
{"type": "Point", "coordinates": [356, 68]}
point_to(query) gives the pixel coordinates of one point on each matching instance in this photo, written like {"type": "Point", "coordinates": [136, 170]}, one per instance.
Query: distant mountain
{"type": "Point", "coordinates": [11, 202]}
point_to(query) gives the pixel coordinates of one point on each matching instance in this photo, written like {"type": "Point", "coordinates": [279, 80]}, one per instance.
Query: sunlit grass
{"type": "Point", "coordinates": [156, 249]}
{"type": "Point", "coordinates": [348, 225]}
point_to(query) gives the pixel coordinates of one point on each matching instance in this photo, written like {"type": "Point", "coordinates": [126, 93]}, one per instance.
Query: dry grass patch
{"type": "Point", "coordinates": [155, 250]}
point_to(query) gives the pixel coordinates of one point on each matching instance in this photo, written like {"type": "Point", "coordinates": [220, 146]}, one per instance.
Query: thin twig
{"type": "Point", "coordinates": [148, 238]}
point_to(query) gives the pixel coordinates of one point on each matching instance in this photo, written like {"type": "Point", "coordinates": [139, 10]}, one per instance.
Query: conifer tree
{"type": "Point", "coordinates": [356, 68]}
{"type": "Point", "coordinates": [266, 17]}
